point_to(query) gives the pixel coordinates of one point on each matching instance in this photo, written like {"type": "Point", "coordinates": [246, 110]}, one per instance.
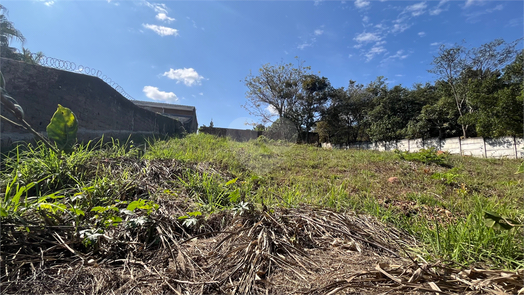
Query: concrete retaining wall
{"type": "Point", "coordinates": [504, 147]}
{"type": "Point", "coordinates": [99, 108]}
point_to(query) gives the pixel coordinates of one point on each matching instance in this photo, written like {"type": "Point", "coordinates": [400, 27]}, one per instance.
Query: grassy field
{"type": "Point", "coordinates": [443, 205]}
{"type": "Point", "coordinates": [441, 200]}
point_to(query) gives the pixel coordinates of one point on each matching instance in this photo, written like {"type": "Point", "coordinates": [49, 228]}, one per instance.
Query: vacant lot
{"type": "Point", "coordinates": [208, 215]}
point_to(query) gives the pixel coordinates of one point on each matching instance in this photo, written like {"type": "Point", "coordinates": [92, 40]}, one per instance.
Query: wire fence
{"type": "Point", "coordinates": [56, 63]}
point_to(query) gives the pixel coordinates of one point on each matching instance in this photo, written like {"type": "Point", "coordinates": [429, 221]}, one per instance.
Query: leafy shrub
{"type": "Point", "coordinates": [426, 156]}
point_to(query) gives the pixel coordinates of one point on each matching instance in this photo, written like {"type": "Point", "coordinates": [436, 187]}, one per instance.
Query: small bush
{"type": "Point", "coordinates": [426, 156]}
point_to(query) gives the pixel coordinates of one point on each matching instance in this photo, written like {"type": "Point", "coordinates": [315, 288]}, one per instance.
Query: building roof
{"type": "Point", "coordinates": [142, 103]}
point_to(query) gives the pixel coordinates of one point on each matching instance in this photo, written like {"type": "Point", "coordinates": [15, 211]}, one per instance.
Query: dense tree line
{"type": "Point", "coordinates": [478, 92]}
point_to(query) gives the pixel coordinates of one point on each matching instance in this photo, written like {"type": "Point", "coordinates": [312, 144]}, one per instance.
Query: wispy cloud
{"type": "Point", "coordinates": [417, 9]}
{"type": "Point", "coordinates": [48, 3]}
{"type": "Point", "coordinates": [397, 56]}
{"type": "Point", "coordinates": [157, 7]}
{"type": "Point", "coordinates": [375, 50]}
{"type": "Point", "coordinates": [155, 94]}
{"type": "Point", "coordinates": [421, 34]}
{"type": "Point", "coordinates": [361, 3]}
{"type": "Point", "coordinates": [161, 30]}
{"type": "Point", "coordinates": [163, 17]}
{"type": "Point", "coordinates": [367, 37]}
{"type": "Point", "coordinates": [307, 44]}
{"type": "Point", "coordinates": [438, 9]}
{"type": "Point", "coordinates": [400, 26]}
{"type": "Point", "coordinates": [435, 43]}
{"type": "Point", "coordinates": [189, 76]}
{"type": "Point", "coordinates": [312, 38]}
{"type": "Point", "coordinates": [161, 10]}
{"type": "Point", "coordinates": [474, 17]}
{"type": "Point", "coordinates": [472, 2]}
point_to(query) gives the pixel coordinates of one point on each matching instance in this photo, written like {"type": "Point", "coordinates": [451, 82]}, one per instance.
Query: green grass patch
{"type": "Point", "coordinates": [439, 198]}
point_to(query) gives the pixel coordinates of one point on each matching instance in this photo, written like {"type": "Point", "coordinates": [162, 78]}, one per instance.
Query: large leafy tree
{"type": "Point", "coordinates": [274, 91]}
{"type": "Point", "coordinates": [497, 101]}
{"type": "Point", "coordinates": [313, 95]}
{"type": "Point", "coordinates": [344, 120]}
{"type": "Point", "coordinates": [460, 68]}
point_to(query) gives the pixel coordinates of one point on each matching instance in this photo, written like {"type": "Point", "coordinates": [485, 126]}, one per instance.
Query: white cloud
{"type": "Point", "coordinates": [318, 32]}
{"type": "Point", "coordinates": [417, 9]}
{"type": "Point", "coordinates": [367, 37]}
{"type": "Point", "coordinates": [189, 76]}
{"type": "Point", "coordinates": [157, 7]}
{"type": "Point", "coordinates": [155, 94]}
{"type": "Point", "coordinates": [435, 43]}
{"type": "Point", "coordinates": [361, 3]}
{"type": "Point", "coordinates": [272, 110]}
{"type": "Point", "coordinates": [163, 17]}
{"type": "Point", "coordinates": [162, 31]}
{"type": "Point", "coordinates": [201, 93]}
{"type": "Point", "coordinates": [400, 27]}
{"type": "Point", "coordinates": [471, 2]}
{"type": "Point", "coordinates": [374, 51]}
{"type": "Point", "coordinates": [365, 19]}
{"type": "Point", "coordinates": [422, 34]}
{"type": "Point", "coordinates": [475, 16]}
{"type": "Point", "coordinates": [306, 44]}
{"type": "Point", "coordinates": [350, 55]}
{"type": "Point", "coordinates": [437, 10]}
{"type": "Point", "coordinates": [49, 3]}
{"type": "Point", "coordinates": [399, 55]}
{"type": "Point", "coordinates": [317, 2]}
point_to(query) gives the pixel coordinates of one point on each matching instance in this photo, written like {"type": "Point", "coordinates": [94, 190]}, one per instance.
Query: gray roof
{"type": "Point", "coordinates": [142, 103]}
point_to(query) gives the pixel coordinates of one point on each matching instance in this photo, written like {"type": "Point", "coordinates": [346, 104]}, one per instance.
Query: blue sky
{"type": "Point", "coordinates": [198, 52]}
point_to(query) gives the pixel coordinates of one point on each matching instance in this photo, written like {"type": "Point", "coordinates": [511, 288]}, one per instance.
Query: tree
{"type": "Point", "coordinates": [345, 117]}
{"type": "Point", "coordinates": [211, 125]}
{"type": "Point", "coordinates": [8, 32]}
{"type": "Point", "coordinates": [497, 101]}
{"type": "Point", "coordinates": [259, 127]}
{"type": "Point", "coordinates": [455, 65]}
{"type": "Point", "coordinates": [274, 91]}
{"type": "Point", "coordinates": [314, 94]}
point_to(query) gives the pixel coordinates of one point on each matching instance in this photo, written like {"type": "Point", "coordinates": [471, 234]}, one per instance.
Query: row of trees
{"type": "Point", "coordinates": [478, 92]}
{"type": "Point", "coordinates": [8, 33]}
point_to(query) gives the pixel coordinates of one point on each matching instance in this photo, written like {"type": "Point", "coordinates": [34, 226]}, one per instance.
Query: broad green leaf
{"type": "Point", "coordinates": [133, 205]}
{"type": "Point", "coordinates": [63, 128]}
{"type": "Point", "coordinates": [498, 222]}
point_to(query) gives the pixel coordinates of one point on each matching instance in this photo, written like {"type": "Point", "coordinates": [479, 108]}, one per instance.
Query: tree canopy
{"type": "Point", "coordinates": [477, 92]}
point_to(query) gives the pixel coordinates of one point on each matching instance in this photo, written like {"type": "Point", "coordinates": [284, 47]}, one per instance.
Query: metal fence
{"type": "Point", "coordinates": [56, 63]}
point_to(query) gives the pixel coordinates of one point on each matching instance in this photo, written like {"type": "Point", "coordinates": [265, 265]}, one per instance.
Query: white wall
{"type": "Point", "coordinates": [503, 147]}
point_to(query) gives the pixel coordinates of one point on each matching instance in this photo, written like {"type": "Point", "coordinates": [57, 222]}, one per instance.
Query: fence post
{"type": "Point", "coordinates": [485, 152]}
{"type": "Point", "coordinates": [409, 149]}
{"type": "Point", "coordinates": [515, 146]}
{"type": "Point", "coordinates": [460, 147]}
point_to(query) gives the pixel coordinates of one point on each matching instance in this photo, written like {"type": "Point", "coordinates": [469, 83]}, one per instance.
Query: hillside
{"type": "Point", "coordinates": [204, 215]}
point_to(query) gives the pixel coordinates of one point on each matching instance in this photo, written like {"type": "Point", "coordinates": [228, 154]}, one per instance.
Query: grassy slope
{"type": "Point", "coordinates": [442, 206]}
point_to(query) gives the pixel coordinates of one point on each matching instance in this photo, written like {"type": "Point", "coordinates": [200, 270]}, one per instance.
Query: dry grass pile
{"type": "Point", "coordinates": [302, 251]}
